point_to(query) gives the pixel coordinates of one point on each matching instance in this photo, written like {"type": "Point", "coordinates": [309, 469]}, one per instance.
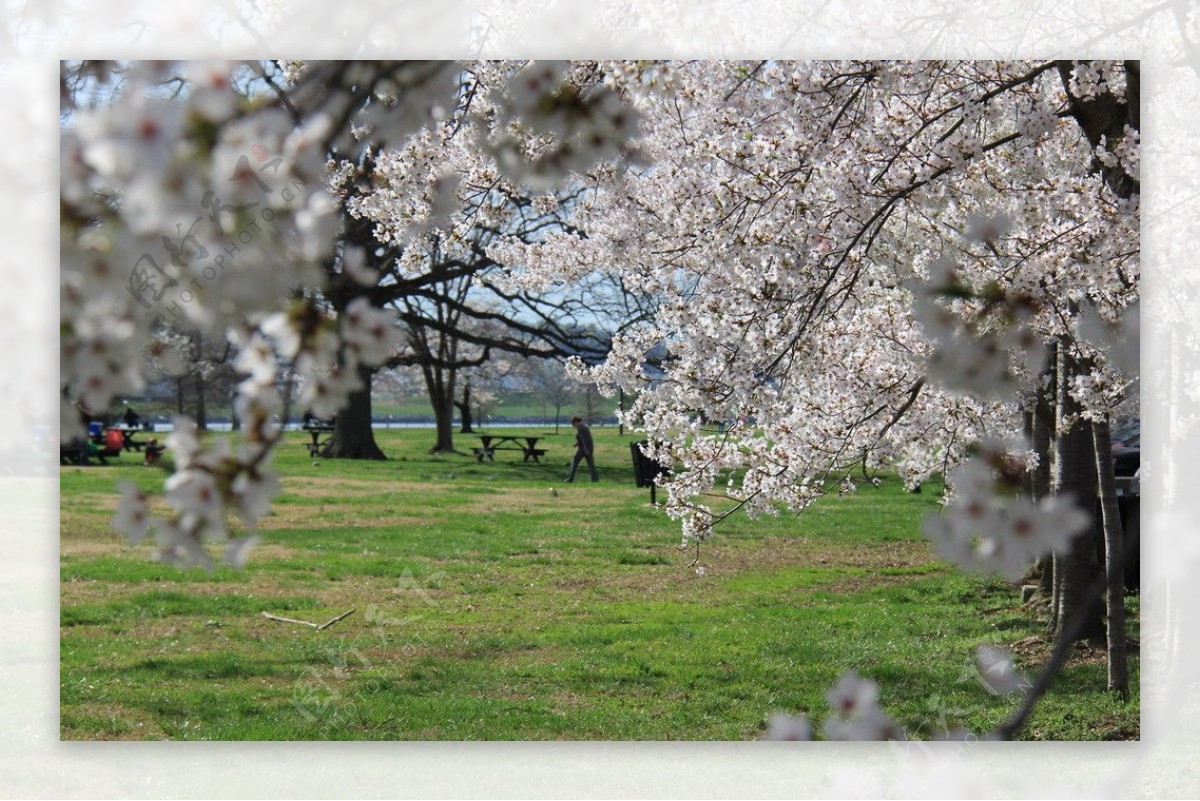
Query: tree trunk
{"type": "Point", "coordinates": [439, 382]}
{"type": "Point", "coordinates": [621, 405]}
{"type": "Point", "coordinates": [1077, 570]}
{"type": "Point", "coordinates": [443, 418]}
{"type": "Point", "coordinates": [235, 422]}
{"type": "Point", "coordinates": [464, 409]}
{"type": "Point", "coordinates": [353, 437]}
{"type": "Point", "coordinates": [1114, 562]}
{"type": "Point", "coordinates": [1042, 440]}
{"type": "Point", "coordinates": [201, 406]}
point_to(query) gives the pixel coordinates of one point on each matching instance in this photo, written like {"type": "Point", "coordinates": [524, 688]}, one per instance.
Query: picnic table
{"type": "Point", "coordinates": [492, 443]}
{"type": "Point", "coordinates": [127, 441]}
{"type": "Point", "coordinates": [316, 427]}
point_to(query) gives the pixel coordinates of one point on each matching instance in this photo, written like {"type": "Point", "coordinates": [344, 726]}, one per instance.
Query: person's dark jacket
{"type": "Point", "coordinates": [583, 439]}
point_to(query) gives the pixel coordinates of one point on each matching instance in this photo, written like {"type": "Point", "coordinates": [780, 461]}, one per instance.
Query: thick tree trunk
{"type": "Point", "coordinates": [1114, 562]}
{"type": "Point", "coordinates": [353, 437]}
{"type": "Point", "coordinates": [1077, 570]}
{"type": "Point", "coordinates": [443, 418]}
{"type": "Point", "coordinates": [439, 382]}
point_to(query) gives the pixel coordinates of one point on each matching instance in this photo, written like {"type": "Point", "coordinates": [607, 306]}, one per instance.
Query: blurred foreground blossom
{"type": "Point", "coordinates": [997, 672]}
{"type": "Point", "coordinates": [987, 531]}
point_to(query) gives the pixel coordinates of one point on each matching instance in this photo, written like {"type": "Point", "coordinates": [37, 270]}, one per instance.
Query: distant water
{"type": "Point", "coordinates": [214, 425]}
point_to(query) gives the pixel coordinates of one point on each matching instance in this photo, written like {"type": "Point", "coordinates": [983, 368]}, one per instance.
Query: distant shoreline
{"type": "Point", "coordinates": [223, 424]}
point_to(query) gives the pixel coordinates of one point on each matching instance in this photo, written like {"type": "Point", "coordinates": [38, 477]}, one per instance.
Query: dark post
{"type": "Point", "coordinates": [645, 469]}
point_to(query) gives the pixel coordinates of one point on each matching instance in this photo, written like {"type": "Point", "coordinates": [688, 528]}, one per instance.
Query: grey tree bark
{"type": "Point", "coordinates": [1114, 563]}
{"type": "Point", "coordinates": [1075, 571]}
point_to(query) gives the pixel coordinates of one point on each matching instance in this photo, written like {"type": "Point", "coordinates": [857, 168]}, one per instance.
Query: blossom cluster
{"type": "Point", "coordinates": [856, 715]}
{"type": "Point", "coordinates": [987, 528]}
{"type": "Point", "coordinates": [554, 124]}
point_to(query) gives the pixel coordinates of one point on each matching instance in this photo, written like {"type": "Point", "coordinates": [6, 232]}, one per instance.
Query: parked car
{"type": "Point", "coordinates": [1127, 467]}
{"type": "Point", "coordinates": [1122, 431]}
{"type": "Point", "coordinates": [1127, 456]}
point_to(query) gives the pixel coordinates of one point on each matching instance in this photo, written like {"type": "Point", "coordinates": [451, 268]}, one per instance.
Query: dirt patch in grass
{"type": "Point", "coordinates": [91, 547]}
{"type": "Point", "coordinates": [523, 657]}
{"type": "Point", "coordinates": [772, 554]}
{"type": "Point", "coordinates": [286, 517]}
{"type": "Point", "coordinates": [760, 558]}
{"type": "Point", "coordinates": [116, 546]}
{"type": "Point", "coordinates": [299, 484]}
{"type": "Point", "coordinates": [335, 486]}
{"type": "Point", "coordinates": [1035, 651]}
{"type": "Point", "coordinates": [101, 501]}
{"type": "Point", "coordinates": [528, 499]}
{"type": "Point", "coordinates": [96, 721]}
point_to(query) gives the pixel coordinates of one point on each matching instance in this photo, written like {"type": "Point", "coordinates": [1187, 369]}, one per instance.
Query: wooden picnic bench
{"type": "Point", "coordinates": [492, 443]}
{"type": "Point", "coordinates": [316, 428]}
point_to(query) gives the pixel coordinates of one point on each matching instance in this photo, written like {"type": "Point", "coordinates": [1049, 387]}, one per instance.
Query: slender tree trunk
{"type": "Point", "coordinates": [1042, 440]}
{"type": "Point", "coordinates": [1077, 570]}
{"type": "Point", "coordinates": [353, 437]}
{"type": "Point", "coordinates": [201, 406]}
{"type": "Point", "coordinates": [286, 395]}
{"type": "Point", "coordinates": [1114, 562]}
{"type": "Point", "coordinates": [464, 409]}
{"type": "Point", "coordinates": [621, 406]}
{"type": "Point", "coordinates": [235, 422]}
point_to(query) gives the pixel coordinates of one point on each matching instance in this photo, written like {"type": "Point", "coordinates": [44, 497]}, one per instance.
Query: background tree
{"type": "Point", "coordinates": [419, 217]}
{"type": "Point", "coordinates": [549, 380]}
{"type": "Point", "coordinates": [465, 413]}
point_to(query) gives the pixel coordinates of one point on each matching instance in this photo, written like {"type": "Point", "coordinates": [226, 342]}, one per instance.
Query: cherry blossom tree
{"type": "Point", "coordinates": [867, 260]}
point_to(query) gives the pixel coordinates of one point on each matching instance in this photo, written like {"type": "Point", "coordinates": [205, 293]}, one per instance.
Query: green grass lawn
{"type": "Point", "coordinates": [494, 602]}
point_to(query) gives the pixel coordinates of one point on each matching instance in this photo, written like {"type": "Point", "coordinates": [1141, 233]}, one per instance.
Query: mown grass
{"type": "Point", "coordinates": [494, 602]}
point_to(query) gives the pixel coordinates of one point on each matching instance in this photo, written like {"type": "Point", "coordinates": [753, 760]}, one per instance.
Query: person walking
{"type": "Point", "coordinates": [583, 450]}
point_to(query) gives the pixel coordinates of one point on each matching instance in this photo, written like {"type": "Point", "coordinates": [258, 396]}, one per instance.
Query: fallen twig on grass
{"type": "Point", "coordinates": [331, 621]}
{"type": "Point", "coordinates": [317, 626]}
